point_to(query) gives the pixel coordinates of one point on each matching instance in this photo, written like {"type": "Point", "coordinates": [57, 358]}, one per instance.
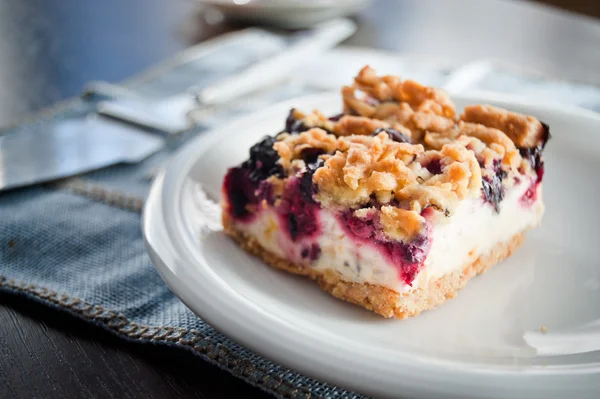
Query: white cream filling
{"type": "Point", "coordinates": [472, 230]}
{"type": "Point", "coordinates": [475, 228]}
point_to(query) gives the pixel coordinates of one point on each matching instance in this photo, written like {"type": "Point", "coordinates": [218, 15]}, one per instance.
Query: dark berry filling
{"type": "Point", "coordinates": [546, 136]}
{"type": "Point", "coordinates": [263, 160]}
{"type": "Point", "coordinates": [407, 256]}
{"type": "Point", "coordinates": [307, 188]}
{"type": "Point", "coordinates": [336, 118]}
{"type": "Point", "coordinates": [434, 167]}
{"type": "Point", "coordinates": [311, 155]}
{"type": "Point", "coordinates": [315, 252]}
{"type": "Point", "coordinates": [245, 185]}
{"type": "Point", "coordinates": [265, 192]}
{"type": "Point", "coordinates": [492, 188]}
{"type": "Point", "coordinates": [534, 157]}
{"type": "Point", "coordinates": [293, 125]}
{"type": "Point", "coordinates": [240, 192]}
{"type": "Point", "coordinates": [393, 133]}
{"type": "Point", "coordinates": [410, 255]}
{"type": "Point", "coordinates": [298, 215]}
{"type": "Point", "coordinates": [311, 252]}
{"type": "Point", "coordinates": [364, 228]}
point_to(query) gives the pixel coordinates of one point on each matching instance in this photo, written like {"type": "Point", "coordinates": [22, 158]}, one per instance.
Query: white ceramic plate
{"type": "Point", "coordinates": [487, 342]}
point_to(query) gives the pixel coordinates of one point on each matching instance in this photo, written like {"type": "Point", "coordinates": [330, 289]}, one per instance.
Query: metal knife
{"type": "Point", "coordinates": [172, 114]}
{"type": "Point", "coordinates": [65, 148]}
{"type": "Point", "coordinates": [69, 147]}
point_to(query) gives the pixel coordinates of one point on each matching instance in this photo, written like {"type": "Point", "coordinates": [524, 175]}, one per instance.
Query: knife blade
{"type": "Point", "coordinates": [172, 114]}
{"type": "Point", "coordinates": [70, 147]}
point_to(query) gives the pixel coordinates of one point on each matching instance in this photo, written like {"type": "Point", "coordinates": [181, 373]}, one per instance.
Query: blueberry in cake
{"type": "Point", "coordinates": [397, 202]}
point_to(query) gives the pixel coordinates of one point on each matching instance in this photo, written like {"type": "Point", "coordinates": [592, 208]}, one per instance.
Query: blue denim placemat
{"type": "Point", "coordinates": [77, 245]}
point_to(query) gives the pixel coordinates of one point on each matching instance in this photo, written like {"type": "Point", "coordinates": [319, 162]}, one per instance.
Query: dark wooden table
{"type": "Point", "coordinates": [49, 49]}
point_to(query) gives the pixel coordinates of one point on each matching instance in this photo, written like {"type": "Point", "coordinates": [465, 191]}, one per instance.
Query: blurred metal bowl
{"type": "Point", "coordinates": [290, 14]}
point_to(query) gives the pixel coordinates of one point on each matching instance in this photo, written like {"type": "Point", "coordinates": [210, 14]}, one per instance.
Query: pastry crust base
{"type": "Point", "coordinates": [382, 300]}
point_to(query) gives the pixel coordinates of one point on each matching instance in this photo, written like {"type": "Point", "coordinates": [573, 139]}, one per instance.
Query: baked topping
{"type": "Point", "coordinates": [342, 125]}
{"type": "Point", "coordinates": [487, 143]}
{"type": "Point", "coordinates": [418, 108]}
{"type": "Point", "coordinates": [364, 166]}
{"type": "Point", "coordinates": [296, 147]}
{"type": "Point", "coordinates": [523, 131]}
{"type": "Point", "coordinates": [384, 89]}
{"type": "Point", "coordinates": [398, 150]}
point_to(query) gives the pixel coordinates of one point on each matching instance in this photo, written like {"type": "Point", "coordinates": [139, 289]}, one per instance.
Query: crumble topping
{"type": "Point", "coordinates": [393, 172]}
{"type": "Point", "coordinates": [488, 144]}
{"type": "Point", "coordinates": [392, 88]}
{"type": "Point", "coordinates": [523, 131]}
{"type": "Point", "coordinates": [418, 108]}
{"type": "Point", "coordinates": [399, 148]}
{"type": "Point", "coordinates": [351, 125]}
{"type": "Point", "coordinates": [314, 119]}
{"type": "Point", "coordinates": [346, 125]}
{"type": "Point", "coordinates": [294, 147]}
{"type": "Point", "coordinates": [400, 223]}
{"type": "Point", "coordinates": [365, 165]}
{"type": "Point", "coordinates": [358, 168]}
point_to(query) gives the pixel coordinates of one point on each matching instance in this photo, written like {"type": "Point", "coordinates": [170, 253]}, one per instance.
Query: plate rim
{"type": "Point", "coordinates": [170, 181]}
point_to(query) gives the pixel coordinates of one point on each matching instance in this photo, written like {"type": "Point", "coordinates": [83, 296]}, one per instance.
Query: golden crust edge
{"type": "Point", "coordinates": [381, 300]}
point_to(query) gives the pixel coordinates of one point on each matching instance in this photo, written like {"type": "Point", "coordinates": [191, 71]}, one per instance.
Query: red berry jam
{"type": "Point", "coordinates": [407, 256]}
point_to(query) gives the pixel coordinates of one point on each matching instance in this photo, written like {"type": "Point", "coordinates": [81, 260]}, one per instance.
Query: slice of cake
{"type": "Point", "coordinates": [396, 203]}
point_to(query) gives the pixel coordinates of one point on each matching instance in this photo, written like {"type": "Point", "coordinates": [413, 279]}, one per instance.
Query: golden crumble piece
{"type": "Point", "coordinates": [290, 147]}
{"type": "Point", "coordinates": [525, 131]}
{"type": "Point", "coordinates": [350, 124]}
{"type": "Point", "coordinates": [401, 224]}
{"type": "Point", "coordinates": [313, 119]}
{"type": "Point", "coordinates": [396, 223]}
{"type": "Point", "coordinates": [415, 107]}
{"type": "Point", "coordinates": [495, 139]}
{"type": "Point", "coordinates": [425, 99]}
{"type": "Point", "coordinates": [346, 125]}
{"type": "Point", "coordinates": [427, 121]}
{"type": "Point", "coordinates": [488, 144]}
{"type": "Point", "coordinates": [365, 166]}
{"type": "Point", "coordinates": [392, 88]}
